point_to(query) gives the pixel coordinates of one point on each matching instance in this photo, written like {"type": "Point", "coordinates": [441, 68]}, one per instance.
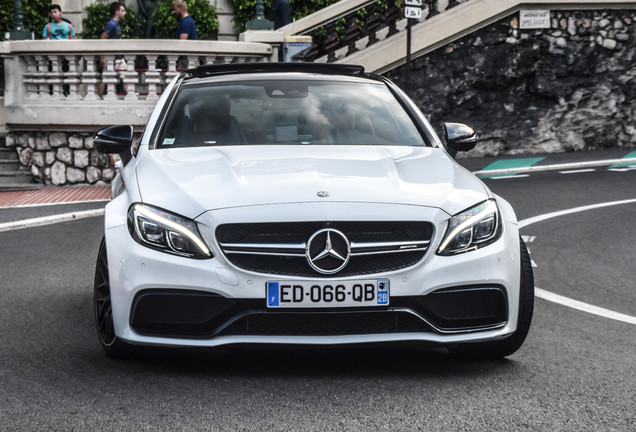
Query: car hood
{"type": "Point", "coordinates": [190, 181]}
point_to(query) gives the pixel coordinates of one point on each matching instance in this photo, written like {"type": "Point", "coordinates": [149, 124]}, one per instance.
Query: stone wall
{"type": "Point", "coordinates": [570, 87]}
{"type": "Point", "coordinates": [61, 159]}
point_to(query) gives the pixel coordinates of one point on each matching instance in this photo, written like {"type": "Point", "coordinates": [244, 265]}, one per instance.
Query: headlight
{"type": "Point", "coordinates": [471, 229]}
{"type": "Point", "coordinates": [167, 232]}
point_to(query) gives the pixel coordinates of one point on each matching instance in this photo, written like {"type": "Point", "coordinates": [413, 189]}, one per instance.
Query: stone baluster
{"type": "Point", "coordinates": [352, 34]}
{"type": "Point", "coordinates": [55, 77]}
{"type": "Point", "coordinates": [373, 23]}
{"type": "Point", "coordinates": [393, 13]}
{"type": "Point", "coordinates": [40, 79]}
{"type": "Point", "coordinates": [30, 77]}
{"type": "Point", "coordinates": [72, 77]}
{"type": "Point", "coordinates": [152, 78]}
{"type": "Point", "coordinates": [331, 44]}
{"type": "Point", "coordinates": [130, 80]}
{"type": "Point", "coordinates": [89, 77]}
{"type": "Point", "coordinates": [109, 77]}
{"type": "Point", "coordinates": [172, 68]}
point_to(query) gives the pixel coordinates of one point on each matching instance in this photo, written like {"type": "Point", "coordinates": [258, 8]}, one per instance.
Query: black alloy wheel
{"type": "Point", "coordinates": [113, 346]}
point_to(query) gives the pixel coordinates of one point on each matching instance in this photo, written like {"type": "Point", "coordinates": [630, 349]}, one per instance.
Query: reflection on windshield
{"type": "Point", "coordinates": [287, 112]}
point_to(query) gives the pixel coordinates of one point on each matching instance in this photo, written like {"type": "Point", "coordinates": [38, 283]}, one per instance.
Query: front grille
{"type": "Point", "coordinates": [280, 248]}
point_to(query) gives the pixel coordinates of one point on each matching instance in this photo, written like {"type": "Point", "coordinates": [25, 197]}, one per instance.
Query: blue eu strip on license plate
{"type": "Point", "coordinates": [308, 294]}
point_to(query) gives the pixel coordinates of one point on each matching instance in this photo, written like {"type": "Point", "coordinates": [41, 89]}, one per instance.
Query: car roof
{"type": "Point", "coordinates": [275, 67]}
{"type": "Point", "coordinates": [287, 71]}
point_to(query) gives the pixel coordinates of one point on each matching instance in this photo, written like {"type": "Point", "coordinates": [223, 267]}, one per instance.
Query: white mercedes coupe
{"type": "Point", "coordinates": [305, 204]}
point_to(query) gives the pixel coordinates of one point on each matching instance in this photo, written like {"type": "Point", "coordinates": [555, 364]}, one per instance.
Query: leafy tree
{"type": "Point", "coordinates": [35, 15]}
{"type": "Point", "coordinates": [245, 9]}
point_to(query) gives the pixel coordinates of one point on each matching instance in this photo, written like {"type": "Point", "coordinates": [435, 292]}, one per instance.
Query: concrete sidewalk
{"type": "Point", "coordinates": [51, 195]}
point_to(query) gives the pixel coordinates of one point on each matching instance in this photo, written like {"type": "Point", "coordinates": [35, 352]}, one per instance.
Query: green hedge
{"type": "Point", "coordinates": [245, 9]}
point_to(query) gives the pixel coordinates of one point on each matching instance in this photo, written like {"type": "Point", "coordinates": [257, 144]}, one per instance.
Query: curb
{"type": "Point", "coordinates": [47, 220]}
{"type": "Point", "coordinates": [555, 167]}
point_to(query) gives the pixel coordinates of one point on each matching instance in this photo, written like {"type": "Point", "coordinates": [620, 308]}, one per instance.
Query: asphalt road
{"type": "Point", "coordinates": [576, 370]}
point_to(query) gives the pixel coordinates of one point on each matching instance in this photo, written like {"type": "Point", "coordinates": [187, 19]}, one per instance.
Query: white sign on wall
{"type": "Point", "coordinates": [534, 19]}
{"type": "Point", "coordinates": [413, 2]}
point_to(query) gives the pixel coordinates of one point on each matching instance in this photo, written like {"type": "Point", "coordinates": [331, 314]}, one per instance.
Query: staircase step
{"type": "Point", "coordinates": [8, 154]}
{"type": "Point", "coordinates": [9, 166]}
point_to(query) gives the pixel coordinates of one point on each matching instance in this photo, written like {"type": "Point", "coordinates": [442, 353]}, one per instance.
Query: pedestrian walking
{"type": "Point", "coordinates": [186, 28]}
{"type": "Point", "coordinates": [112, 30]}
{"type": "Point", "coordinates": [58, 27]}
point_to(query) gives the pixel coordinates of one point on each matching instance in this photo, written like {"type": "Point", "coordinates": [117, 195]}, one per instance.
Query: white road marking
{"type": "Point", "coordinates": [623, 169]}
{"type": "Point", "coordinates": [524, 223]}
{"type": "Point", "coordinates": [47, 220]}
{"type": "Point", "coordinates": [509, 177]}
{"type": "Point", "coordinates": [566, 301]}
{"type": "Point", "coordinates": [577, 171]}
{"type": "Point", "coordinates": [575, 304]}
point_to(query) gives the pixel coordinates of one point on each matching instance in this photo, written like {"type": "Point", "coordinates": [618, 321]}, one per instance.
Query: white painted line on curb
{"type": "Point", "coordinates": [575, 304]}
{"type": "Point", "coordinates": [565, 301]}
{"type": "Point", "coordinates": [47, 220]}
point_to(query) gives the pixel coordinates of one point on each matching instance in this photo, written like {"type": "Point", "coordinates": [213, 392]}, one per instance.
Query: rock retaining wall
{"type": "Point", "coordinates": [570, 87]}
{"type": "Point", "coordinates": [61, 158]}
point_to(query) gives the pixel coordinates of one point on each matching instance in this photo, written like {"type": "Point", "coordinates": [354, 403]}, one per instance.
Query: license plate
{"type": "Point", "coordinates": [334, 294]}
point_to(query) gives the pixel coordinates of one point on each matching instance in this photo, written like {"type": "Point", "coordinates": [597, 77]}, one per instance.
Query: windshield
{"type": "Point", "coordinates": [287, 112]}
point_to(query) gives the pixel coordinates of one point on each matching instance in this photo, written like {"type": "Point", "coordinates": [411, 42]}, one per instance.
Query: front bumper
{"type": "Point", "coordinates": [161, 299]}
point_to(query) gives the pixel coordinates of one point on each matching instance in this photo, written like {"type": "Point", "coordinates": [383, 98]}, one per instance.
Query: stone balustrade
{"type": "Point", "coordinates": [52, 106]}
{"type": "Point", "coordinates": [54, 85]}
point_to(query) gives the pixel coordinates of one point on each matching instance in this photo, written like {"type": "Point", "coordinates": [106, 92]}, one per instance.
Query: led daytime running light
{"type": "Point", "coordinates": [486, 208]}
{"type": "Point", "coordinates": [143, 211]}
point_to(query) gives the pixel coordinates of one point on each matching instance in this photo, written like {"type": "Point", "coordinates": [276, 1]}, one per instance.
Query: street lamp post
{"type": "Point", "coordinates": [259, 22]}
{"type": "Point", "coordinates": [18, 32]}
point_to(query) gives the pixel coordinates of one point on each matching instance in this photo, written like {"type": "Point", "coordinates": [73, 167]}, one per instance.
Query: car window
{"type": "Point", "coordinates": [287, 112]}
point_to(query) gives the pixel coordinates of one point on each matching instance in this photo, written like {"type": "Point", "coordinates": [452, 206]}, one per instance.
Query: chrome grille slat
{"type": "Point", "coordinates": [374, 246]}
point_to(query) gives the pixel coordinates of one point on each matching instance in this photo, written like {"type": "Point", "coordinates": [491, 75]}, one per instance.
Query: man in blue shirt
{"type": "Point", "coordinates": [112, 30]}
{"type": "Point", "coordinates": [186, 28]}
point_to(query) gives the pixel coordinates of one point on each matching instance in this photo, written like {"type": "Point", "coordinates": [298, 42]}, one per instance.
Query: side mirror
{"type": "Point", "coordinates": [459, 137]}
{"type": "Point", "coordinates": [115, 139]}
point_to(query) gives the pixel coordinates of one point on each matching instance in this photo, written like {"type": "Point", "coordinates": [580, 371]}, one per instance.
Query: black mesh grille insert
{"type": "Point", "coordinates": [301, 232]}
{"type": "Point", "coordinates": [326, 323]}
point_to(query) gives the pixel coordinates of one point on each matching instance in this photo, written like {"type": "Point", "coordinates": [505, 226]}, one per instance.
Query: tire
{"type": "Point", "coordinates": [509, 345]}
{"type": "Point", "coordinates": [113, 346]}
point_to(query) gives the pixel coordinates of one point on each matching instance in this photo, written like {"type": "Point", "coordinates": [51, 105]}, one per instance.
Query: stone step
{"type": "Point", "coordinates": [9, 166]}
{"type": "Point", "coordinates": [16, 179]}
{"type": "Point", "coordinates": [8, 154]}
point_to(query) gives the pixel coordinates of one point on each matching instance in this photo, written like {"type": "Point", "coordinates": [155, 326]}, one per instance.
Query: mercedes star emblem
{"type": "Point", "coordinates": [328, 251]}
